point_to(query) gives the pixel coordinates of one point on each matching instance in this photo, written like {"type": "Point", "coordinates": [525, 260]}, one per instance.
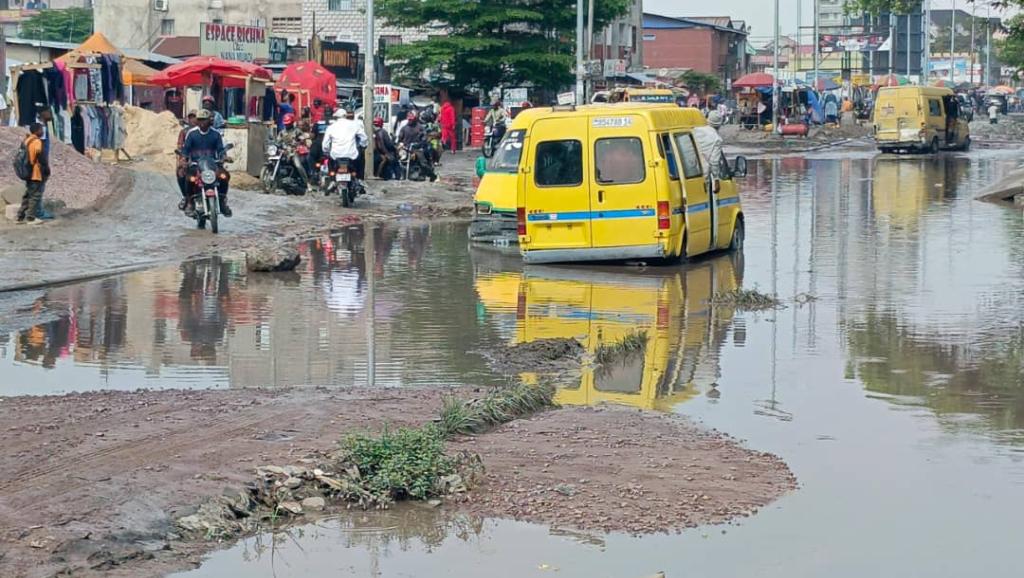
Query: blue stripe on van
{"type": "Point", "coordinates": [591, 215]}
{"type": "Point", "coordinates": [729, 201]}
{"type": "Point", "coordinates": [697, 208]}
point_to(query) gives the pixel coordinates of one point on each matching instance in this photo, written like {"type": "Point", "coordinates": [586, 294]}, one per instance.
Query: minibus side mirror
{"type": "Point", "coordinates": [739, 167]}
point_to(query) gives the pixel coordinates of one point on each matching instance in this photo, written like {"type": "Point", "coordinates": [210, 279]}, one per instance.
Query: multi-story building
{"type": "Point", "coordinates": [620, 42]}
{"type": "Point", "coordinates": [140, 24]}
{"type": "Point", "coordinates": [830, 14]}
{"type": "Point", "coordinates": [713, 45]}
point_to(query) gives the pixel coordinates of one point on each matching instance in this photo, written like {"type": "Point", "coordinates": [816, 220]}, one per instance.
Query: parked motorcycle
{"type": "Point", "coordinates": [283, 169]}
{"type": "Point", "coordinates": [207, 175]}
{"type": "Point", "coordinates": [492, 136]}
{"type": "Point", "coordinates": [414, 163]}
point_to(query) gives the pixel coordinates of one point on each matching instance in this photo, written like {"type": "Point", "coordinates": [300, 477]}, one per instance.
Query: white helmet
{"type": "Point", "coordinates": [340, 113]}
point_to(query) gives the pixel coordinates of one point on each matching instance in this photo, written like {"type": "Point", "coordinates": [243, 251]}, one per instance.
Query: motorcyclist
{"type": "Point", "coordinates": [298, 141]}
{"type": "Point", "coordinates": [181, 171]}
{"type": "Point", "coordinates": [432, 135]}
{"type": "Point", "coordinates": [384, 151]}
{"type": "Point", "coordinates": [204, 142]}
{"type": "Point", "coordinates": [413, 134]}
{"type": "Point", "coordinates": [496, 119]}
{"type": "Point", "coordinates": [344, 139]}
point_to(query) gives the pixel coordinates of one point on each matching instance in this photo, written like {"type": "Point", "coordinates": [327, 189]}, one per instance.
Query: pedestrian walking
{"type": "Point", "coordinates": [993, 112]}
{"type": "Point", "coordinates": [447, 121]}
{"type": "Point", "coordinates": [38, 166]}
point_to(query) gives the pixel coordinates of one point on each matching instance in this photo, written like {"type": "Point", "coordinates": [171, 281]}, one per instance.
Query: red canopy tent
{"type": "Point", "coordinates": [309, 82]}
{"type": "Point", "coordinates": [754, 80]}
{"type": "Point", "coordinates": [199, 69]}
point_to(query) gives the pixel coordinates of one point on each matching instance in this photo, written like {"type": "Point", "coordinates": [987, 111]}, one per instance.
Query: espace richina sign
{"type": "Point", "coordinates": [233, 42]}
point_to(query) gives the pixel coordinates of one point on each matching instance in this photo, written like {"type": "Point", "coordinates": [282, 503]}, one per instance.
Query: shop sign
{"type": "Point", "coordinates": [233, 42]}
{"type": "Point", "coordinates": [341, 58]}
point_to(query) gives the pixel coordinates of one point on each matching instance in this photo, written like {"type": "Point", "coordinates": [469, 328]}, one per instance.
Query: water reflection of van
{"type": "Point", "coordinates": [684, 331]}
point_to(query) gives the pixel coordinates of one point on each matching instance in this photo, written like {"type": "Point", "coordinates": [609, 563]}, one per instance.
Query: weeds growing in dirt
{"type": "Point", "coordinates": [400, 464]}
{"type": "Point", "coordinates": [747, 300]}
{"type": "Point", "coordinates": [618, 350]}
{"type": "Point", "coordinates": [499, 406]}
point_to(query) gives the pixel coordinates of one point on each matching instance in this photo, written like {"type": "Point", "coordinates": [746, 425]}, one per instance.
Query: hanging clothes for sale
{"type": "Point", "coordinates": [31, 94]}
{"type": "Point", "coordinates": [58, 96]}
{"type": "Point", "coordinates": [78, 130]}
{"type": "Point", "coordinates": [69, 95]}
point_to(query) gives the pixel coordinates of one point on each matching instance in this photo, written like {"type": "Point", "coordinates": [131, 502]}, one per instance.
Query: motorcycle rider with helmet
{"type": "Point", "coordinates": [202, 142]}
{"type": "Point", "coordinates": [344, 140]}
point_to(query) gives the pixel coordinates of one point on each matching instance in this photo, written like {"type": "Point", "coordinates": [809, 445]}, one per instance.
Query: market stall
{"type": "Point", "coordinates": [753, 98]}
{"type": "Point", "coordinates": [244, 95]}
{"type": "Point", "coordinates": [83, 91]}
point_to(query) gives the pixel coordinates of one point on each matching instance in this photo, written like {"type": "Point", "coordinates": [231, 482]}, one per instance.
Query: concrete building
{"type": "Point", "coordinates": [141, 23]}
{"type": "Point", "coordinates": [620, 42]}
{"type": "Point", "coordinates": [713, 45]}
{"type": "Point", "coordinates": [345, 21]}
{"type": "Point", "coordinates": [830, 14]}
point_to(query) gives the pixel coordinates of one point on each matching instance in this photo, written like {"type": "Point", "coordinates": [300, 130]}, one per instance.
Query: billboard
{"type": "Point", "coordinates": [233, 42]}
{"type": "Point", "coordinates": [341, 58]}
{"type": "Point", "coordinates": [828, 43]}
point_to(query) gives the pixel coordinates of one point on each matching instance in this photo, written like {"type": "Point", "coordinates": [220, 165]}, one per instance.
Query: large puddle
{"type": "Point", "coordinates": [896, 395]}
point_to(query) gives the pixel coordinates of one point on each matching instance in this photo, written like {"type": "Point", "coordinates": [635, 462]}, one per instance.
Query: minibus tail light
{"type": "Point", "coordinates": [663, 216]}
{"type": "Point", "coordinates": [521, 220]}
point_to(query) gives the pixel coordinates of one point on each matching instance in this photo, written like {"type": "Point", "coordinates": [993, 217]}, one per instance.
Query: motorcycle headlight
{"type": "Point", "coordinates": [271, 150]}
{"type": "Point", "coordinates": [209, 177]}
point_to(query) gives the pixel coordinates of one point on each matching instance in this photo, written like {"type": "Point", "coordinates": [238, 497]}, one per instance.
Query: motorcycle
{"type": "Point", "coordinates": [492, 136]}
{"type": "Point", "coordinates": [342, 179]}
{"type": "Point", "coordinates": [207, 175]}
{"type": "Point", "coordinates": [414, 162]}
{"type": "Point", "coordinates": [284, 169]}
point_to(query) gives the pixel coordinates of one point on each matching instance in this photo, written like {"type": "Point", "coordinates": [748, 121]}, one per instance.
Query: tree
{"type": "Point", "coordinates": [876, 7]}
{"type": "Point", "coordinates": [69, 25]}
{"type": "Point", "coordinates": [488, 43]}
{"type": "Point", "coordinates": [1010, 50]}
{"type": "Point", "coordinates": [700, 82]}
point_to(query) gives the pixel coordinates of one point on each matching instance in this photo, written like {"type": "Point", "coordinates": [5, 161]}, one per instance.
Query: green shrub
{"type": "Point", "coordinates": [400, 464]}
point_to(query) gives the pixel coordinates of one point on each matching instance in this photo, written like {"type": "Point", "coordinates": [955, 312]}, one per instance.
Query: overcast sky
{"type": "Point", "coordinates": [759, 13]}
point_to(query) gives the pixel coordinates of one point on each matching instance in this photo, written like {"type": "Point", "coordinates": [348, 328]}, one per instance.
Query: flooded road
{"type": "Point", "coordinates": [895, 393]}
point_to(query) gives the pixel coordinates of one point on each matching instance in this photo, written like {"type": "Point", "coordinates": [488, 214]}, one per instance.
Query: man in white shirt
{"type": "Point", "coordinates": [344, 137]}
{"type": "Point", "coordinates": [709, 142]}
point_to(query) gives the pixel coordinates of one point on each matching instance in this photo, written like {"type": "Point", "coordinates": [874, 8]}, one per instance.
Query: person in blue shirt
{"type": "Point", "coordinates": [287, 106]}
{"type": "Point", "coordinates": [202, 142]}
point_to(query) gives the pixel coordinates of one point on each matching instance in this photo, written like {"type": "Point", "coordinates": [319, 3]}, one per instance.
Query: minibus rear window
{"type": "Point", "coordinates": [619, 161]}
{"type": "Point", "coordinates": [559, 163]}
{"type": "Point", "coordinates": [506, 158]}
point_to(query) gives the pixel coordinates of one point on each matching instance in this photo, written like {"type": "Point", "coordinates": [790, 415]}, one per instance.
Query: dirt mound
{"type": "Point", "coordinates": [616, 469]}
{"type": "Point", "coordinates": [152, 138]}
{"type": "Point", "coordinates": [76, 183]}
{"type": "Point", "coordinates": [542, 355]}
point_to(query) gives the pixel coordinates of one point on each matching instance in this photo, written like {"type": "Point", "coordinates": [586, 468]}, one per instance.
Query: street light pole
{"type": "Point", "coordinates": [817, 45]}
{"type": "Point", "coordinates": [926, 41]}
{"type": "Point", "coordinates": [952, 40]}
{"type": "Point", "coordinates": [368, 78]}
{"type": "Point", "coordinates": [775, 73]}
{"type": "Point", "coordinates": [988, 47]}
{"type": "Point", "coordinates": [579, 52]}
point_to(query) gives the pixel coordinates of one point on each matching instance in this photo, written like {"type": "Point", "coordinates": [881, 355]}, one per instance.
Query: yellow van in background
{"type": "Point", "coordinates": [621, 181]}
{"type": "Point", "coordinates": [920, 118]}
{"type": "Point", "coordinates": [685, 331]}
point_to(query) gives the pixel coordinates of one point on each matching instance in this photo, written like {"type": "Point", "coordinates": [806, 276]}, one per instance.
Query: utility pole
{"type": "Point", "coordinates": [908, 46]}
{"type": "Point", "coordinates": [579, 52]}
{"type": "Point", "coordinates": [973, 17]}
{"type": "Point", "coordinates": [892, 42]}
{"type": "Point", "coordinates": [926, 41]}
{"type": "Point", "coordinates": [368, 91]}
{"type": "Point", "coordinates": [817, 44]}
{"type": "Point", "coordinates": [952, 40]}
{"type": "Point", "coordinates": [3, 68]}
{"type": "Point", "coordinates": [590, 50]}
{"type": "Point", "coordinates": [988, 47]}
{"type": "Point", "coordinates": [775, 75]}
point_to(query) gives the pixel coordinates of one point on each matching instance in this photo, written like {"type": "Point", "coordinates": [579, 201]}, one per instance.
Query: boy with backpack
{"type": "Point", "coordinates": [32, 166]}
